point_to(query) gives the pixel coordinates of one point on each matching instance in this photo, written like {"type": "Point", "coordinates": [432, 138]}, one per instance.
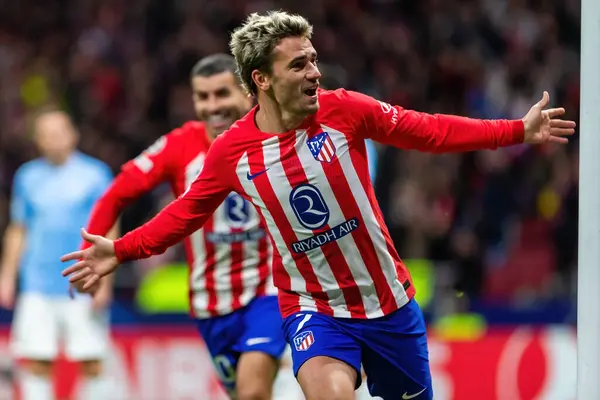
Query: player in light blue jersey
{"type": "Point", "coordinates": [52, 198]}
{"type": "Point", "coordinates": [372, 158]}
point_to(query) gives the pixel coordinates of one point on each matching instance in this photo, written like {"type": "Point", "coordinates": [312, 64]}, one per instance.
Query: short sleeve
{"type": "Point", "coordinates": [20, 208]}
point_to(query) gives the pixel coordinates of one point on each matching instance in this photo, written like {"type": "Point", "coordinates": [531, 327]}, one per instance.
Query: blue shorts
{"type": "Point", "coordinates": [392, 349]}
{"type": "Point", "coordinates": [255, 327]}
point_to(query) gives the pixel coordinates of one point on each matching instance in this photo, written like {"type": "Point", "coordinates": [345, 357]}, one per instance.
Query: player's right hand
{"type": "Point", "coordinates": [93, 263]}
{"type": "Point", "coordinates": [7, 291]}
{"type": "Point", "coordinates": [542, 126]}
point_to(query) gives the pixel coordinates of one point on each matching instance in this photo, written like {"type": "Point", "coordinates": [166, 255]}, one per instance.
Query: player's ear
{"type": "Point", "coordinates": [261, 80]}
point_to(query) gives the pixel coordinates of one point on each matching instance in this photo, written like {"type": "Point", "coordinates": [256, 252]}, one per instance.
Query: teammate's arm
{"type": "Point", "coordinates": [137, 177]}
{"type": "Point", "coordinates": [179, 219]}
{"type": "Point", "coordinates": [184, 215]}
{"type": "Point", "coordinates": [13, 243]}
{"type": "Point", "coordinates": [440, 133]}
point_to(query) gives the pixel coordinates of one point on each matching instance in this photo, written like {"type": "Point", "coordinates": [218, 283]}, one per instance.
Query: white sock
{"type": "Point", "coordinates": [35, 387]}
{"type": "Point", "coordinates": [94, 389]}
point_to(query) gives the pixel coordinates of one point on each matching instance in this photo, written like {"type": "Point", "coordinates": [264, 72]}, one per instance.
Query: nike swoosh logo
{"type": "Point", "coordinates": [406, 396]}
{"type": "Point", "coordinates": [304, 321]}
{"type": "Point", "coordinates": [257, 340]}
{"type": "Point", "coordinates": [250, 177]}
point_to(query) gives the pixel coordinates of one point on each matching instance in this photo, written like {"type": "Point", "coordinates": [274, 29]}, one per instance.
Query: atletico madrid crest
{"type": "Point", "coordinates": [322, 148]}
{"type": "Point", "coordinates": [304, 340]}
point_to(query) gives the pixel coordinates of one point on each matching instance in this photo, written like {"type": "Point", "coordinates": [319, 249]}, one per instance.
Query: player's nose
{"type": "Point", "coordinates": [313, 73]}
{"type": "Point", "coordinates": [212, 105]}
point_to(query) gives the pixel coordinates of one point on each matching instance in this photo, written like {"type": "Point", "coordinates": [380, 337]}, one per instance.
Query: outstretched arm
{"type": "Point", "coordinates": [396, 126]}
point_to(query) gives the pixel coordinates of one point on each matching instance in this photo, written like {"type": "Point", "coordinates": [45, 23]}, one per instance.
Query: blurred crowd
{"type": "Point", "coordinates": [501, 225]}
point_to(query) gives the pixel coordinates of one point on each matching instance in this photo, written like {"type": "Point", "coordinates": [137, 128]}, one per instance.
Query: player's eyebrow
{"type": "Point", "coordinates": [312, 54]}
{"type": "Point", "coordinates": [219, 91]}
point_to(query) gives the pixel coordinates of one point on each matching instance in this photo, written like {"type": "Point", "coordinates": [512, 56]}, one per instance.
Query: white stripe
{"type": "Point", "coordinates": [290, 266]}
{"type": "Point", "coordinates": [319, 264]}
{"type": "Point", "coordinates": [347, 244]}
{"type": "Point", "coordinates": [375, 233]}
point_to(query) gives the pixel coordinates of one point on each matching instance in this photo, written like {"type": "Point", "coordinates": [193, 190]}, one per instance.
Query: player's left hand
{"type": "Point", "coordinates": [541, 125]}
{"type": "Point", "coordinates": [92, 263]}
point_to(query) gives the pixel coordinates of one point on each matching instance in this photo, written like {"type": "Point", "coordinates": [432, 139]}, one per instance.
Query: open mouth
{"type": "Point", "coordinates": [219, 119]}
{"type": "Point", "coordinates": [311, 92]}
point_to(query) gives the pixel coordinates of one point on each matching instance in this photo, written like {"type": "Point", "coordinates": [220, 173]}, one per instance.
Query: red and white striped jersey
{"type": "Point", "coordinates": [229, 256]}
{"type": "Point", "coordinates": [332, 251]}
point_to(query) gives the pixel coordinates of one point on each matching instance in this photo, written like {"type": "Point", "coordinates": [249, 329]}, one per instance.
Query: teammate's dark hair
{"type": "Point", "coordinates": [213, 65]}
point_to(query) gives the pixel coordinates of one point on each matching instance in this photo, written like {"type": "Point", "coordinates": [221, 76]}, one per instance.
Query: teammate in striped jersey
{"type": "Point", "coordinates": [232, 297]}
{"type": "Point", "coordinates": [299, 157]}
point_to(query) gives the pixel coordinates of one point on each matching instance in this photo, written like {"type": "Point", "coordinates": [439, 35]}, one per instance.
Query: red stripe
{"type": "Point", "coordinates": [288, 304]}
{"type": "Point", "coordinates": [263, 266]}
{"type": "Point", "coordinates": [236, 257]}
{"type": "Point", "coordinates": [359, 160]}
{"type": "Point", "coordinates": [209, 271]}
{"type": "Point", "coordinates": [333, 254]}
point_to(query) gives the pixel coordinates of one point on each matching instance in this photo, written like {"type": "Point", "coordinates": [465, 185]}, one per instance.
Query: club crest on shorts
{"type": "Point", "coordinates": [304, 340]}
{"type": "Point", "coordinates": [321, 146]}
